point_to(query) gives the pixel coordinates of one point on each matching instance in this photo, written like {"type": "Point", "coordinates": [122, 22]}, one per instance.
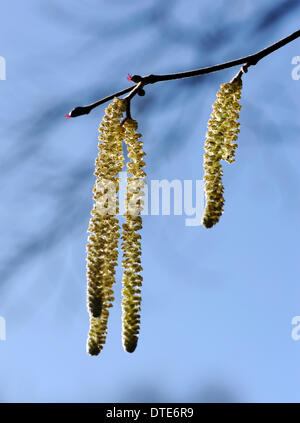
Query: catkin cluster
{"type": "Point", "coordinates": [220, 143]}
{"type": "Point", "coordinates": [131, 239]}
{"type": "Point", "coordinates": [102, 247]}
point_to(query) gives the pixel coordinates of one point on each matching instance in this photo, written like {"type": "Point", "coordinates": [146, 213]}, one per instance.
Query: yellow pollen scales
{"type": "Point", "coordinates": [102, 247]}
{"type": "Point", "coordinates": [131, 240]}
{"type": "Point", "coordinates": [220, 143]}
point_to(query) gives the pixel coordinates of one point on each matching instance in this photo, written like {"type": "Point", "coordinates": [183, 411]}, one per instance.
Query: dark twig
{"type": "Point", "coordinates": [244, 69]}
{"type": "Point", "coordinates": [128, 112]}
{"type": "Point", "coordinates": [134, 91]}
{"type": "Point", "coordinates": [84, 110]}
{"type": "Point", "coordinates": [141, 81]}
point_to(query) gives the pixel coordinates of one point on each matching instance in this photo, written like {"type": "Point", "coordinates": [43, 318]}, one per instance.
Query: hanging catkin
{"type": "Point", "coordinates": [131, 240]}
{"type": "Point", "coordinates": [222, 132]}
{"type": "Point", "coordinates": [102, 247]}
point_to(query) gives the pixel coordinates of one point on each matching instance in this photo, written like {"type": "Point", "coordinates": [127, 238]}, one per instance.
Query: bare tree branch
{"type": "Point", "coordinates": [141, 81]}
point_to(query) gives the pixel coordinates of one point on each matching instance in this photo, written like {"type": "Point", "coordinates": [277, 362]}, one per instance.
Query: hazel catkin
{"type": "Point", "coordinates": [131, 239]}
{"type": "Point", "coordinates": [220, 144]}
{"type": "Point", "coordinates": [102, 247]}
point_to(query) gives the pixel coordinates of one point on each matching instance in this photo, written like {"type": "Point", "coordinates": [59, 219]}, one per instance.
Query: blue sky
{"type": "Point", "coordinates": [217, 304]}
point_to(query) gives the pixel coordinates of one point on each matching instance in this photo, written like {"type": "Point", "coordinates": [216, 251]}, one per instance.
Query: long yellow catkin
{"type": "Point", "coordinates": [131, 240]}
{"type": "Point", "coordinates": [222, 132]}
{"type": "Point", "coordinates": [102, 247]}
